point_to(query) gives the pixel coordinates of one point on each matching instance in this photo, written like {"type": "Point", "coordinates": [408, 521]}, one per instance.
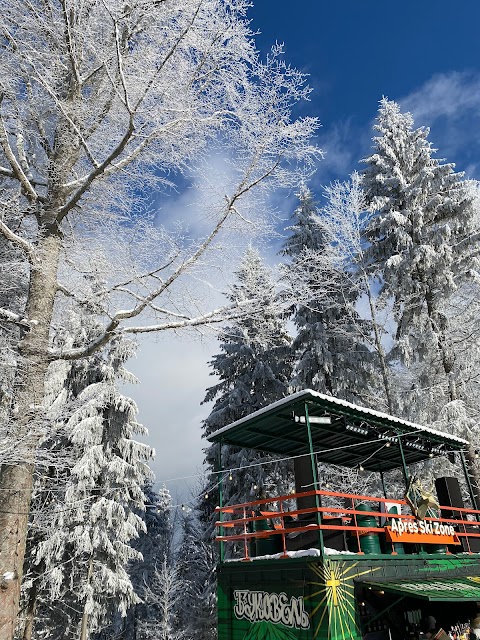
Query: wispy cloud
{"type": "Point", "coordinates": [174, 374]}
{"type": "Point", "coordinates": [453, 95]}
{"type": "Point", "coordinates": [342, 147]}
{"type": "Point", "coordinates": [449, 103]}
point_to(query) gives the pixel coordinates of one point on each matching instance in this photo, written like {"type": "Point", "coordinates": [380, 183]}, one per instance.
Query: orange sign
{"type": "Point", "coordinates": [421, 532]}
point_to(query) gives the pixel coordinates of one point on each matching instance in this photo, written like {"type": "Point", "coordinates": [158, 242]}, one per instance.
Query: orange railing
{"type": "Point", "coordinates": [237, 521]}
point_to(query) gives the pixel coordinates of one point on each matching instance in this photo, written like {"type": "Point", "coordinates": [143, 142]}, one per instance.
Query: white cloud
{"type": "Point", "coordinates": [449, 103]}
{"type": "Point", "coordinates": [452, 95]}
{"type": "Point", "coordinates": [339, 146]}
{"type": "Point", "coordinates": [174, 375]}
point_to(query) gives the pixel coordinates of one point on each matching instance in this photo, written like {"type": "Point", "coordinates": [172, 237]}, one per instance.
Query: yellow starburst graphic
{"type": "Point", "coordinates": [333, 599]}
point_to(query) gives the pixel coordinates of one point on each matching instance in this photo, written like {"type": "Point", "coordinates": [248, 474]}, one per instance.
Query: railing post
{"type": "Point", "coordinates": [466, 532]}
{"type": "Point", "coordinates": [220, 498]}
{"type": "Point", "coordinates": [357, 532]}
{"type": "Point", "coordinates": [315, 479]}
{"type": "Point", "coordinates": [284, 541]}
{"type": "Point", "coordinates": [245, 532]}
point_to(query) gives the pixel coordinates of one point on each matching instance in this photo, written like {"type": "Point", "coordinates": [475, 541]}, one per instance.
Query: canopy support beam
{"type": "Point", "coordinates": [313, 463]}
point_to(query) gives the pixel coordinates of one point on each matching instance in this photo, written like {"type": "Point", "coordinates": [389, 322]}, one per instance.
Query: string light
{"type": "Point", "coordinates": [183, 507]}
{"type": "Point", "coordinates": [255, 487]}
{"type": "Point", "coordinates": [257, 464]}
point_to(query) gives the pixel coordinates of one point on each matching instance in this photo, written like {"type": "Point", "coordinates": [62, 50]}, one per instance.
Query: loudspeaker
{"type": "Point", "coordinates": [304, 481]}
{"type": "Point", "coordinates": [449, 495]}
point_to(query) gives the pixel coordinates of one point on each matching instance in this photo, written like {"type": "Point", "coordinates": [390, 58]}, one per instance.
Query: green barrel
{"type": "Point", "coordinates": [266, 546]}
{"type": "Point", "coordinates": [369, 542]}
{"type": "Point", "coordinates": [397, 546]}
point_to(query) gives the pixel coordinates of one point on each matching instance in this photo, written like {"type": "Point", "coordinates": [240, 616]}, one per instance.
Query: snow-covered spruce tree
{"type": "Point", "coordinates": [345, 220]}
{"type": "Point", "coordinates": [330, 356]}
{"type": "Point", "coordinates": [94, 513]}
{"type": "Point", "coordinates": [196, 565]}
{"type": "Point", "coordinates": [419, 237]}
{"type": "Point", "coordinates": [146, 573]}
{"type": "Point", "coordinates": [254, 367]}
{"type": "Point", "coordinates": [102, 102]}
{"type": "Point", "coordinates": [421, 248]}
{"type": "Point", "coordinates": [13, 290]}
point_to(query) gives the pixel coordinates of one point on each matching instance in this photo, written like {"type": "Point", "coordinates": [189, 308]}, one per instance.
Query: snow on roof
{"type": "Point", "coordinates": [309, 393]}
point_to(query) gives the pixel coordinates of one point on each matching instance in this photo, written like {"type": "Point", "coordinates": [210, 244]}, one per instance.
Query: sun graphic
{"type": "Point", "coordinates": [333, 599]}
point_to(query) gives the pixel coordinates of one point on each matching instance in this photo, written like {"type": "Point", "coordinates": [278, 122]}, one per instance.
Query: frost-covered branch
{"type": "Point", "coordinates": [18, 241]}
{"type": "Point", "coordinates": [9, 316]}
{"type": "Point", "coordinates": [14, 163]}
{"type": "Point", "coordinates": [91, 89]}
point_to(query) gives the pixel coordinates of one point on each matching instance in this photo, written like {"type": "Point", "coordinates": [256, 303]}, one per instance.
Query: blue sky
{"type": "Point", "coordinates": [424, 54]}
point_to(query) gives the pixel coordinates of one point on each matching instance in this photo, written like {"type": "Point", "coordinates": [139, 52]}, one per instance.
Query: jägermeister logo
{"type": "Point", "coordinates": [272, 607]}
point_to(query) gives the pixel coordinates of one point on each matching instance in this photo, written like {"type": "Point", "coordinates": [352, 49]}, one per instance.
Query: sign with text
{"type": "Point", "coordinates": [421, 532]}
{"type": "Point", "coordinates": [278, 608]}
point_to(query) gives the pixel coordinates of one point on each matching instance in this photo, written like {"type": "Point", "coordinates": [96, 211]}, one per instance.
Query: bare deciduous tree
{"type": "Point", "coordinates": [102, 101]}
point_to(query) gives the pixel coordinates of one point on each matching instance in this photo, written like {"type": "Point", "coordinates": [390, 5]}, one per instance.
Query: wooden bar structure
{"type": "Point", "coordinates": [322, 563]}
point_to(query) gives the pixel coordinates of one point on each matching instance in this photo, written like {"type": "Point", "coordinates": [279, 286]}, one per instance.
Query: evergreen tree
{"type": "Point", "coordinates": [330, 357]}
{"type": "Point", "coordinates": [153, 570]}
{"type": "Point", "coordinates": [254, 368]}
{"type": "Point", "coordinates": [421, 248]}
{"type": "Point", "coordinates": [345, 219]}
{"type": "Point", "coordinates": [94, 502]}
{"type": "Point", "coordinates": [418, 249]}
{"type": "Point", "coordinates": [196, 565]}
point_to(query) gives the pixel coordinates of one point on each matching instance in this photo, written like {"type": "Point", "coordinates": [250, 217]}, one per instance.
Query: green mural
{"type": "Point", "coordinates": [269, 631]}
{"type": "Point", "coordinates": [316, 599]}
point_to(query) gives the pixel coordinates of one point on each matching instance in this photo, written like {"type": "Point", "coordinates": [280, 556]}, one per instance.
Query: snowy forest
{"type": "Point", "coordinates": [374, 297]}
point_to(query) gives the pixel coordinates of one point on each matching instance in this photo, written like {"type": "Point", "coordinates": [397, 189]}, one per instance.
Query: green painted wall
{"type": "Point", "coordinates": [313, 598]}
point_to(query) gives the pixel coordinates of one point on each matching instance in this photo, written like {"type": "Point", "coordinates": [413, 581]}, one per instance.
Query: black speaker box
{"type": "Point", "coordinates": [450, 495]}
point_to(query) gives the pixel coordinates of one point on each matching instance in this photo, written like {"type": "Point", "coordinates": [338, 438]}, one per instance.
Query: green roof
{"type": "Point", "coordinates": [351, 434]}
{"type": "Point", "coordinates": [451, 589]}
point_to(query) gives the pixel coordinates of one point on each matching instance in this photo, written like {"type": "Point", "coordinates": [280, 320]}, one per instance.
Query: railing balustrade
{"type": "Point", "coordinates": [241, 522]}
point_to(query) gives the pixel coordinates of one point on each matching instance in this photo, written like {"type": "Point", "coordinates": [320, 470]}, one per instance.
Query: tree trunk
{"type": "Point", "coordinates": [26, 418]}
{"type": "Point", "coordinates": [30, 613]}
{"type": "Point", "coordinates": [84, 632]}
{"type": "Point", "coordinates": [379, 347]}
{"type": "Point", "coordinates": [446, 352]}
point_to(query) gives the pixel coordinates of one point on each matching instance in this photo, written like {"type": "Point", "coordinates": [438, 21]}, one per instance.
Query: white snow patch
{"type": "Point", "coordinates": [9, 575]}
{"type": "Point", "coordinates": [301, 553]}
{"type": "Point", "coordinates": [335, 552]}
